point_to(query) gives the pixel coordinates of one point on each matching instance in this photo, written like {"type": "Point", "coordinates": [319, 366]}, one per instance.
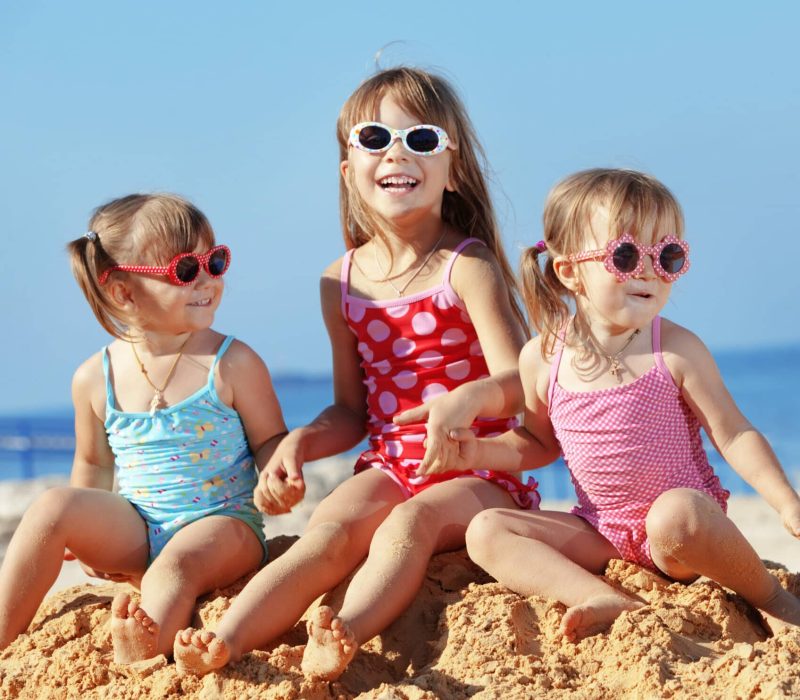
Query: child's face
{"type": "Point", "coordinates": [160, 306]}
{"type": "Point", "coordinates": [397, 184]}
{"type": "Point", "coordinates": [618, 305]}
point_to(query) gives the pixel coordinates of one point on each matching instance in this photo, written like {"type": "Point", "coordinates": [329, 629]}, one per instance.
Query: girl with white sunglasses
{"type": "Point", "coordinates": [423, 305]}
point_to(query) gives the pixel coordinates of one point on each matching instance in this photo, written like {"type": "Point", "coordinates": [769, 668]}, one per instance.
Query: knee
{"type": "Point", "coordinates": [330, 540]}
{"type": "Point", "coordinates": [482, 534]}
{"type": "Point", "coordinates": [180, 567]}
{"type": "Point", "coordinates": [51, 508]}
{"type": "Point", "coordinates": [679, 518]}
{"type": "Point", "coordinates": [410, 523]}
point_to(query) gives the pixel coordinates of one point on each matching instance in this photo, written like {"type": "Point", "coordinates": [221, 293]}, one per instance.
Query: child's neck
{"type": "Point", "coordinates": [156, 343]}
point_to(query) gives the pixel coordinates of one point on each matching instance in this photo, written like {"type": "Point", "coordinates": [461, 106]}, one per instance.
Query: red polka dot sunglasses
{"type": "Point", "coordinates": [184, 268]}
{"type": "Point", "coordinates": [624, 257]}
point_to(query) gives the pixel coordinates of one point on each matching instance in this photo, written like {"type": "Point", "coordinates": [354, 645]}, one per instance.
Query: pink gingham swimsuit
{"type": "Point", "coordinates": [413, 349]}
{"type": "Point", "coordinates": [626, 445]}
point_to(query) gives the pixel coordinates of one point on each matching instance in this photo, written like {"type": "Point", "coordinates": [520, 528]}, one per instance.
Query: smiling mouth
{"type": "Point", "coordinates": [202, 302]}
{"type": "Point", "coordinates": [395, 183]}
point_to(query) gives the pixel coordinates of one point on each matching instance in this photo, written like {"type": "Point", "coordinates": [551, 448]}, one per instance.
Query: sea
{"type": "Point", "coordinates": [765, 383]}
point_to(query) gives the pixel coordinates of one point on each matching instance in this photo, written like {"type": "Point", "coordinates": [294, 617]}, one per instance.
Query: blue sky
{"type": "Point", "coordinates": [235, 107]}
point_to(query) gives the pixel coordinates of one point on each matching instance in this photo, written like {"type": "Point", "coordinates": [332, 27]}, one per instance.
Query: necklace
{"type": "Point", "coordinates": [158, 398]}
{"type": "Point", "coordinates": [613, 360]}
{"type": "Point", "coordinates": [403, 288]}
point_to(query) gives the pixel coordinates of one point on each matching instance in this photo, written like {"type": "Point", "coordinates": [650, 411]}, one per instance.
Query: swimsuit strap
{"type": "Point", "coordinates": [222, 348]}
{"type": "Point", "coordinates": [554, 365]}
{"type": "Point", "coordinates": [659, 359]}
{"type": "Point", "coordinates": [344, 278]}
{"type": "Point", "coordinates": [110, 401]}
{"type": "Point", "coordinates": [454, 255]}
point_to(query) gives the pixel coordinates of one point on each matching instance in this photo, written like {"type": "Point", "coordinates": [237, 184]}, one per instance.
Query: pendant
{"type": "Point", "coordinates": [157, 402]}
{"type": "Point", "coordinates": [616, 370]}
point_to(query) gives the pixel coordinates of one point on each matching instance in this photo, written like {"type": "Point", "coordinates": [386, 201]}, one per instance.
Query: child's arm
{"type": "Point", "coordinates": [93, 462]}
{"type": "Point", "coordinates": [531, 446]}
{"type": "Point", "coordinates": [336, 429]}
{"type": "Point", "coordinates": [478, 280]}
{"type": "Point", "coordinates": [740, 444]}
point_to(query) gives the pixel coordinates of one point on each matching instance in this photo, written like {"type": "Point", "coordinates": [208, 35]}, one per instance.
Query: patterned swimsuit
{"type": "Point", "coordinates": [413, 349]}
{"type": "Point", "coordinates": [627, 445]}
{"type": "Point", "coordinates": [183, 463]}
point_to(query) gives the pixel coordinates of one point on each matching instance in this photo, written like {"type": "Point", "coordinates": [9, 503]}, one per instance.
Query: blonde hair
{"type": "Point", "coordinates": [433, 100]}
{"type": "Point", "coordinates": [637, 204]}
{"type": "Point", "coordinates": [132, 230]}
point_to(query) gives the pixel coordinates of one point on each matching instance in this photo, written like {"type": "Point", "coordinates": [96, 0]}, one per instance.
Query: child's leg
{"type": "Point", "coordinates": [335, 541]}
{"type": "Point", "coordinates": [101, 529]}
{"type": "Point", "coordinates": [552, 555]}
{"type": "Point", "coordinates": [690, 535]}
{"type": "Point", "coordinates": [432, 521]}
{"type": "Point", "coordinates": [206, 554]}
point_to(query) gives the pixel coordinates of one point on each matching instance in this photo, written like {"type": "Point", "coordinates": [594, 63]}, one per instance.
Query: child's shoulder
{"type": "Point", "coordinates": [682, 350]}
{"type": "Point", "coordinates": [534, 368]}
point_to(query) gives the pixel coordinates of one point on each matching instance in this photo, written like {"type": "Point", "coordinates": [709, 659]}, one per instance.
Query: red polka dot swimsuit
{"type": "Point", "coordinates": [413, 349]}
{"type": "Point", "coordinates": [627, 445]}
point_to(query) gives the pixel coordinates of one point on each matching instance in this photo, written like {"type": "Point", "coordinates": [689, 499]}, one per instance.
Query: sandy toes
{"type": "Point", "coordinates": [331, 645]}
{"type": "Point", "coordinates": [199, 652]}
{"type": "Point", "coordinates": [133, 633]}
{"type": "Point", "coordinates": [595, 615]}
{"type": "Point", "coordinates": [782, 611]}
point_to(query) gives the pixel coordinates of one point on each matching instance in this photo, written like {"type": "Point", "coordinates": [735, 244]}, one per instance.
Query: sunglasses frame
{"type": "Point", "coordinates": [402, 134]}
{"type": "Point", "coordinates": [654, 251]}
{"type": "Point", "coordinates": [170, 270]}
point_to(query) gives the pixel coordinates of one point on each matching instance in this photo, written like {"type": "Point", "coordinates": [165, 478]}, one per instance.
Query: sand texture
{"type": "Point", "coordinates": [464, 637]}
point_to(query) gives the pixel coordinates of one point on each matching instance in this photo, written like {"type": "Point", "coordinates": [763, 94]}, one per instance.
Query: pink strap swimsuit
{"type": "Point", "coordinates": [626, 445]}
{"type": "Point", "coordinates": [413, 349]}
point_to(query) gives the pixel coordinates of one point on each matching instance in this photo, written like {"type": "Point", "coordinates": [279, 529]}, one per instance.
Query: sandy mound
{"type": "Point", "coordinates": [465, 636]}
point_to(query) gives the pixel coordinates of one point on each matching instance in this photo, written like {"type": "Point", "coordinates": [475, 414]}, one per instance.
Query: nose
{"type": "Point", "coordinates": [397, 150]}
{"type": "Point", "coordinates": [648, 269]}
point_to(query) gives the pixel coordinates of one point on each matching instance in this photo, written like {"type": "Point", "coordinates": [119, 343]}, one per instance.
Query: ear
{"type": "Point", "coordinates": [343, 169]}
{"type": "Point", "coordinates": [121, 296]}
{"type": "Point", "coordinates": [567, 273]}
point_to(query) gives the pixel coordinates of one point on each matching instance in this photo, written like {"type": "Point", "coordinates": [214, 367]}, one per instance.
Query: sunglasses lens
{"type": "Point", "coordinates": [626, 257]}
{"type": "Point", "coordinates": [672, 258]}
{"type": "Point", "coordinates": [423, 140]}
{"type": "Point", "coordinates": [187, 268]}
{"type": "Point", "coordinates": [374, 138]}
{"type": "Point", "coordinates": [217, 263]}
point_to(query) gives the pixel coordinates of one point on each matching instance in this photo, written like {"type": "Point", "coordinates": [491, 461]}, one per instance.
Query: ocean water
{"type": "Point", "coordinates": [765, 384]}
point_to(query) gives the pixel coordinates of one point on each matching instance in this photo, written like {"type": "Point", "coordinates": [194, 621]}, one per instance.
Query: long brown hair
{"type": "Point", "coordinates": [433, 100]}
{"type": "Point", "coordinates": [637, 204]}
{"type": "Point", "coordinates": [132, 230]}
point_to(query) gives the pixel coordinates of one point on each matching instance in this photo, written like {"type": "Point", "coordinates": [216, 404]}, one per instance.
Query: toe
{"type": "Point", "coordinates": [119, 606]}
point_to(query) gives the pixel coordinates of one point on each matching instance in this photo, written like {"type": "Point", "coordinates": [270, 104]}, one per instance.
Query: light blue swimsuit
{"type": "Point", "coordinates": [186, 462]}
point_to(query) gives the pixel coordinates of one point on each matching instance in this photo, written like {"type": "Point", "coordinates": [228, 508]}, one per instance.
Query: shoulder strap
{"type": "Point", "coordinates": [554, 365]}
{"type": "Point", "coordinates": [455, 254]}
{"type": "Point", "coordinates": [107, 375]}
{"type": "Point", "coordinates": [344, 278]}
{"type": "Point", "coordinates": [222, 348]}
{"type": "Point", "coordinates": [659, 360]}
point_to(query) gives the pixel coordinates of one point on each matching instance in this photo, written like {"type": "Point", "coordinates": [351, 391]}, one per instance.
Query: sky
{"type": "Point", "coordinates": [234, 106]}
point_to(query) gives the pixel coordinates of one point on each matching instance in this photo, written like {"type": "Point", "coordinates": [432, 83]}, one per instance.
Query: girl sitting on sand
{"type": "Point", "coordinates": [182, 410]}
{"type": "Point", "coordinates": [422, 302]}
{"type": "Point", "coordinates": [623, 394]}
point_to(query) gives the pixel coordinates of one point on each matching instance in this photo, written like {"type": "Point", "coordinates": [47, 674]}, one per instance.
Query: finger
{"type": "Point", "coordinates": [294, 471]}
{"type": "Point", "coordinates": [461, 434]}
{"type": "Point", "coordinates": [412, 415]}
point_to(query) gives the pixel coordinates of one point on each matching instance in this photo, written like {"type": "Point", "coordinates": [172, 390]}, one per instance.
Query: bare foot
{"type": "Point", "coordinates": [199, 652]}
{"type": "Point", "coordinates": [594, 615]}
{"type": "Point", "coordinates": [134, 634]}
{"type": "Point", "coordinates": [331, 645]}
{"type": "Point", "coordinates": [782, 611]}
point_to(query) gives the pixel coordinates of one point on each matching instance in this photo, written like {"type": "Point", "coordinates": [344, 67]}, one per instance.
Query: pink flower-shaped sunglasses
{"type": "Point", "coordinates": [624, 257]}
{"type": "Point", "coordinates": [183, 268]}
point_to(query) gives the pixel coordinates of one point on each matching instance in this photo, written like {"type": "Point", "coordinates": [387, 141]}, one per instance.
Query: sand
{"type": "Point", "coordinates": [464, 636]}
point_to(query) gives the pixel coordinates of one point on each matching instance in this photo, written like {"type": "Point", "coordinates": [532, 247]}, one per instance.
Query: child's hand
{"type": "Point", "coordinates": [446, 415]}
{"type": "Point", "coordinates": [280, 483]}
{"type": "Point", "coordinates": [790, 516]}
{"type": "Point", "coordinates": [466, 454]}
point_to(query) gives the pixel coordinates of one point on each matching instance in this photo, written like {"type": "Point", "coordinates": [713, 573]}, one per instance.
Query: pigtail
{"type": "Point", "coordinates": [88, 259]}
{"type": "Point", "coordinates": [544, 296]}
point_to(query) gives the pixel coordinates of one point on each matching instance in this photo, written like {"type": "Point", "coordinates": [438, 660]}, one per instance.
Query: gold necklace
{"type": "Point", "coordinates": [613, 360]}
{"type": "Point", "coordinates": [388, 279]}
{"type": "Point", "coordinates": [158, 398]}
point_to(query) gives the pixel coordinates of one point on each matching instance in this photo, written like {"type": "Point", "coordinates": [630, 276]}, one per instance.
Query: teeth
{"type": "Point", "coordinates": [398, 180]}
